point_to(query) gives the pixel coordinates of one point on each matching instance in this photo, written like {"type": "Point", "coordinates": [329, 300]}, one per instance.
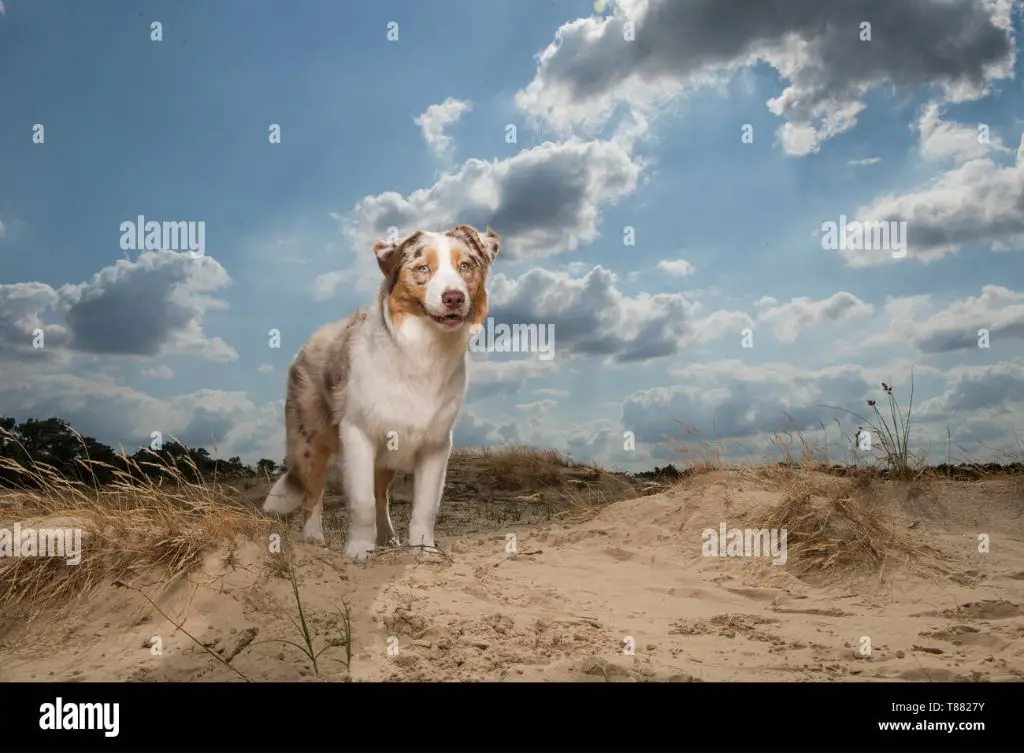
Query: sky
{"type": "Point", "coordinates": [661, 173]}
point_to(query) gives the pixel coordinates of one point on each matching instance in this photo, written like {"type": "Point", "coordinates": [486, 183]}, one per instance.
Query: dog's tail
{"type": "Point", "coordinates": [283, 497]}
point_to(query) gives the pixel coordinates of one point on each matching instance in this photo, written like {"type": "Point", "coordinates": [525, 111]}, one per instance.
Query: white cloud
{"type": "Point", "coordinates": [800, 314]}
{"type": "Point", "coordinates": [542, 201]}
{"type": "Point", "coordinates": [676, 267]}
{"type": "Point", "coordinates": [151, 306]}
{"type": "Point", "coordinates": [161, 372]}
{"type": "Point", "coordinates": [944, 140]}
{"type": "Point", "coordinates": [265, 368]}
{"type": "Point", "coordinates": [918, 320]}
{"type": "Point", "coordinates": [978, 201]}
{"type": "Point", "coordinates": [436, 118]}
{"type": "Point", "coordinates": [591, 316]}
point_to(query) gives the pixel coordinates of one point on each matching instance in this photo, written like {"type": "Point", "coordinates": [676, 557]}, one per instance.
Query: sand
{"type": "Point", "coordinates": [626, 595]}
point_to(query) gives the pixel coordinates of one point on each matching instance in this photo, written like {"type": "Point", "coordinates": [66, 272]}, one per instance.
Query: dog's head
{"type": "Point", "coordinates": [440, 277]}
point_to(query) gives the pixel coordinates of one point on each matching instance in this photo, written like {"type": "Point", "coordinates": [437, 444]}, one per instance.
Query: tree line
{"type": "Point", "coordinates": [36, 443]}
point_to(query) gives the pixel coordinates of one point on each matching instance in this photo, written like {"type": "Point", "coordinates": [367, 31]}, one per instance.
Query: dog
{"type": "Point", "coordinates": [380, 391]}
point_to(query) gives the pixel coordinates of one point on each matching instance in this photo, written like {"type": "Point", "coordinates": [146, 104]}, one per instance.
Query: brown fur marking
{"type": "Point", "coordinates": [406, 296]}
{"type": "Point", "coordinates": [471, 239]}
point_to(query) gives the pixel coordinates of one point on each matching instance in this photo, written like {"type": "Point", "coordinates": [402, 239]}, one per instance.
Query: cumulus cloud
{"type": "Point", "coordinates": [472, 431]}
{"type": "Point", "coordinates": [436, 118]}
{"type": "Point", "coordinates": [542, 201]}
{"type": "Point", "coordinates": [979, 201]}
{"type": "Point", "coordinates": [153, 305]}
{"type": "Point", "coordinates": [918, 320]}
{"type": "Point", "coordinates": [800, 314]}
{"type": "Point", "coordinates": [592, 68]}
{"type": "Point", "coordinates": [96, 404]}
{"type": "Point", "coordinates": [593, 317]}
{"type": "Point", "coordinates": [489, 378]}
{"type": "Point", "coordinates": [995, 389]}
{"type": "Point", "coordinates": [746, 404]}
{"type": "Point", "coordinates": [940, 139]}
{"type": "Point", "coordinates": [676, 267]}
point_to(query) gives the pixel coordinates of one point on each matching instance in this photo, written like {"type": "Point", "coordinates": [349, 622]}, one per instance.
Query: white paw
{"type": "Point", "coordinates": [313, 531]}
{"type": "Point", "coordinates": [421, 544]}
{"type": "Point", "coordinates": [420, 552]}
{"type": "Point", "coordinates": [359, 550]}
{"type": "Point", "coordinates": [314, 537]}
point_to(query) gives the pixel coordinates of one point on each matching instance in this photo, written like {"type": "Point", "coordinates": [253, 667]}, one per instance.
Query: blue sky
{"type": "Point", "coordinates": [611, 133]}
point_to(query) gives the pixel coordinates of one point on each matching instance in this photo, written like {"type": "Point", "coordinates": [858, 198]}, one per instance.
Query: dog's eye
{"type": "Point", "coordinates": [423, 268]}
{"type": "Point", "coordinates": [465, 266]}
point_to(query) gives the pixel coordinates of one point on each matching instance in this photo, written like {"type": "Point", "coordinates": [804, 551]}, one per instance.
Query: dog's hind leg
{"type": "Point", "coordinates": [311, 443]}
{"type": "Point", "coordinates": [385, 531]}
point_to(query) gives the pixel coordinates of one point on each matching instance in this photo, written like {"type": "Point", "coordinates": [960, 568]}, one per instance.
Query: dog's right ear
{"type": "Point", "coordinates": [389, 253]}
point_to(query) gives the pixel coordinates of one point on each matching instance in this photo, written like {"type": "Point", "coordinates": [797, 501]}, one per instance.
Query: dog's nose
{"type": "Point", "coordinates": [453, 299]}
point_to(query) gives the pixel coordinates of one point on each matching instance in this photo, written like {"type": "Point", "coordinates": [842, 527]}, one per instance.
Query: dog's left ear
{"type": "Point", "coordinates": [486, 244]}
{"type": "Point", "coordinates": [491, 243]}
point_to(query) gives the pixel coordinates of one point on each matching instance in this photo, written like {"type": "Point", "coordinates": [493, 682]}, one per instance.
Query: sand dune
{"type": "Point", "coordinates": [882, 581]}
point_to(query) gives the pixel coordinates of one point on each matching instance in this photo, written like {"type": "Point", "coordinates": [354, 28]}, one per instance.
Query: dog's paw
{"type": "Point", "coordinates": [359, 551]}
{"type": "Point", "coordinates": [421, 551]}
{"type": "Point", "coordinates": [314, 535]}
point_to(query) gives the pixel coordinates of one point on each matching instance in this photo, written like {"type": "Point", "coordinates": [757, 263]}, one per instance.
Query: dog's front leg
{"type": "Point", "coordinates": [358, 456]}
{"type": "Point", "coordinates": [428, 485]}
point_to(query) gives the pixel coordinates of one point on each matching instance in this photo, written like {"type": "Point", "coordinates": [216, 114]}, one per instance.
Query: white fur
{"type": "Point", "coordinates": [313, 531]}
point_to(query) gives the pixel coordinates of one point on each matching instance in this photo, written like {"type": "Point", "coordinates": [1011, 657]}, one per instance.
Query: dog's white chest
{"type": "Point", "coordinates": [405, 409]}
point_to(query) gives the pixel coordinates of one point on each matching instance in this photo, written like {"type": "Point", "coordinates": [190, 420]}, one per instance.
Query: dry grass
{"type": "Point", "coordinates": [129, 528]}
{"type": "Point", "coordinates": [837, 528]}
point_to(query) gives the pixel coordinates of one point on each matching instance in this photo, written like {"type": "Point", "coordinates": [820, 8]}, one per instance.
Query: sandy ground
{"type": "Point", "coordinates": [624, 596]}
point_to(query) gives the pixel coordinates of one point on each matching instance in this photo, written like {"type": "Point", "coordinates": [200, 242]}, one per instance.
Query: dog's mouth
{"type": "Point", "coordinates": [449, 321]}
